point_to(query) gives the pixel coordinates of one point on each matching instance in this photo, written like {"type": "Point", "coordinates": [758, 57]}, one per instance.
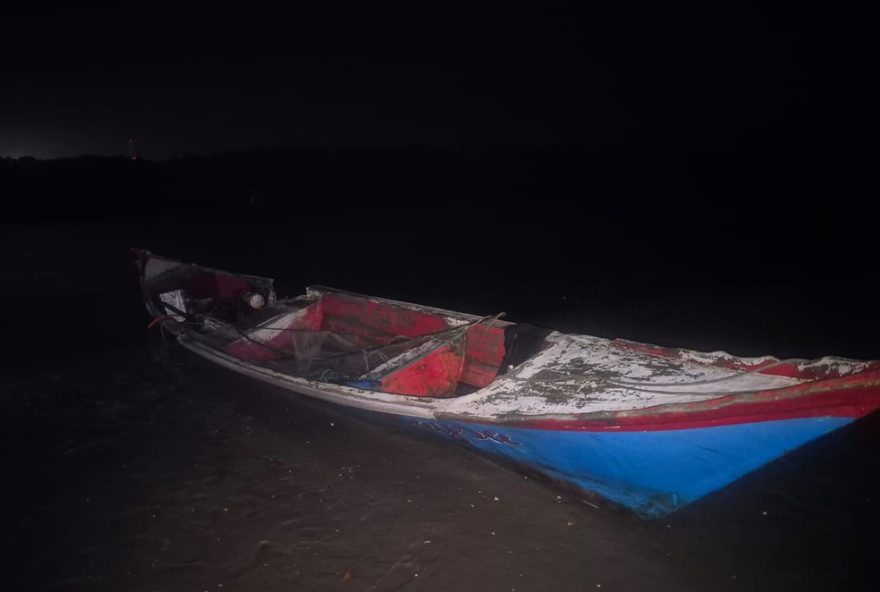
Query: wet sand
{"type": "Point", "coordinates": [131, 464]}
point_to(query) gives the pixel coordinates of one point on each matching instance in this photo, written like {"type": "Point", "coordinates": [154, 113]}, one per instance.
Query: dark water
{"type": "Point", "coordinates": [130, 464]}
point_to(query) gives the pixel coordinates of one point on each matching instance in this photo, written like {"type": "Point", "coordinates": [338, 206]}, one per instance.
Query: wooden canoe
{"type": "Point", "coordinates": [646, 427]}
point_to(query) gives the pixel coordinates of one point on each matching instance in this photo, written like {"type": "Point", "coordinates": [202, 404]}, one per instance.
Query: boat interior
{"type": "Point", "coordinates": [338, 337]}
{"type": "Point", "coordinates": [384, 346]}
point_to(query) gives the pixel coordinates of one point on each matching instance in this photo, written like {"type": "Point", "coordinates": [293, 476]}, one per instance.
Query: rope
{"type": "Point", "coordinates": [156, 320]}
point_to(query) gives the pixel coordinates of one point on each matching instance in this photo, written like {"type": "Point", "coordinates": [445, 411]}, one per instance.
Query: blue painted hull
{"type": "Point", "coordinates": [651, 473]}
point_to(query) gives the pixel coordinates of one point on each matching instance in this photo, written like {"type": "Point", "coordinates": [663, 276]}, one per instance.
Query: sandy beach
{"type": "Point", "coordinates": [133, 465]}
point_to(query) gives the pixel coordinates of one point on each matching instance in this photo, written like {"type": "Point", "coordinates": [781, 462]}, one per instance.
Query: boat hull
{"type": "Point", "coordinates": [651, 473]}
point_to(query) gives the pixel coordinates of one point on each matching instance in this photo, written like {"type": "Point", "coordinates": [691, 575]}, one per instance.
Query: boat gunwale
{"type": "Point", "coordinates": [350, 396]}
{"type": "Point", "coordinates": [751, 407]}
{"type": "Point", "coordinates": [316, 291]}
{"type": "Point", "coordinates": [668, 416]}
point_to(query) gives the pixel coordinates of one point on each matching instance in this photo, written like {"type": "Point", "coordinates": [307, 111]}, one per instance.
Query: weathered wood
{"type": "Point", "coordinates": [649, 427]}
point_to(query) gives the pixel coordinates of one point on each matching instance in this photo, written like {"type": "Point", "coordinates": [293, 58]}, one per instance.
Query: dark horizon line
{"type": "Point", "coordinates": [681, 146]}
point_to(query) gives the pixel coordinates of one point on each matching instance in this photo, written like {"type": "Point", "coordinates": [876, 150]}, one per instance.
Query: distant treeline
{"type": "Point", "coordinates": [746, 208]}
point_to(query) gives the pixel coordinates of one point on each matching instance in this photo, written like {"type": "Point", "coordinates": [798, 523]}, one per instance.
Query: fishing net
{"type": "Point", "coordinates": [335, 357]}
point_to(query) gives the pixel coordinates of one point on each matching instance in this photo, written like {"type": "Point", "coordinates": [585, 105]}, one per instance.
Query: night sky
{"type": "Point", "coordinates": [689, 176]}
{"type": "Point", "coordinates": [178, 80]}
